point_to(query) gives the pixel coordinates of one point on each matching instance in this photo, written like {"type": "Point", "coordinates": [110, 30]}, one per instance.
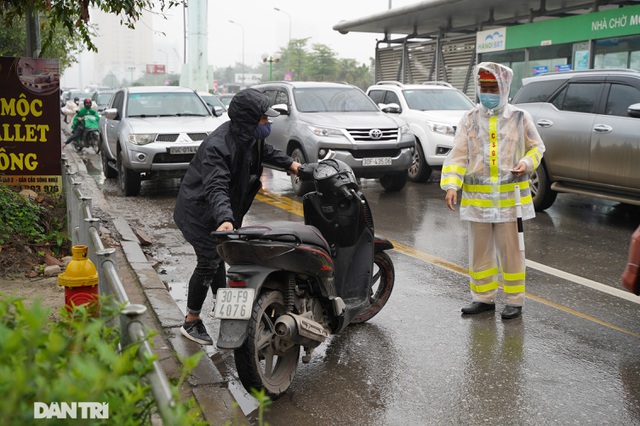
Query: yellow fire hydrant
{"type": "Point", "coordinates": [80, 280]}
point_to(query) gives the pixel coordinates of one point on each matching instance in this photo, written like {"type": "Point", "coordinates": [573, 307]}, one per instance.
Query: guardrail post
{"type": "Point", "coordinates": [82, 226]}
{"type": "Point", "coordinates": [103, 256]}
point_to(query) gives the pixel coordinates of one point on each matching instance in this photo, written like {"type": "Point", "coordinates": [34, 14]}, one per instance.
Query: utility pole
{"type": "Point", "coordinates": [32, 48]}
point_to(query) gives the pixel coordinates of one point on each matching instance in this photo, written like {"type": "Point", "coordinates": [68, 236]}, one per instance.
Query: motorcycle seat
{"type": "Point", "coordinates": [289, 232]}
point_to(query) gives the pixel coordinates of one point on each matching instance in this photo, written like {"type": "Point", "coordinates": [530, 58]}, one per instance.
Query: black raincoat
{"type": "Point", "coordinates": [224, 175]}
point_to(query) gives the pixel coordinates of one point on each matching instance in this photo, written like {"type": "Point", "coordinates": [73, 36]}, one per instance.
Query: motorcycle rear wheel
{"type": "Point", "coordinates": [94, 141]}
{"type": "Point", "coordinates": [259, 364]}
{"type": "Point", "coordinates": [382, 282]}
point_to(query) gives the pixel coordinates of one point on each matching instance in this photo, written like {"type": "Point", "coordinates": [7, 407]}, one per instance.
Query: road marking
{"type": "Point", "coordinates": [295, 207]}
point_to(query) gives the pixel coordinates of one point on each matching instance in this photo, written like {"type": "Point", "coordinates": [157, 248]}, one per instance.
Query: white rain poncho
{"type": "Point", "coordinates": [487, 144]}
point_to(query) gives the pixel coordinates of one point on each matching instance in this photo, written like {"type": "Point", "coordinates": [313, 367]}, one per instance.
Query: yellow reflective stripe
{"type": "Point", "coordinates": [493, 148]}
{"type": "Point", "coordinates": [452, 180]}
{"type": "Point", "coordinates": [483, 274]}
{"type": "Point", "coordinates": [484, 287]}
{"type": "Point", "coordinates": [454, 168]}
{"type": "Point", "coordinates": [486, 189]}
{"type": "Point", "coordinates": [513, 288]}
{"type": "Point", "coordinates": [535, 156]}
{"type": "Point", "coordinates": [518, 276]}
{"type": "Point", "coordinates": [509, 202]}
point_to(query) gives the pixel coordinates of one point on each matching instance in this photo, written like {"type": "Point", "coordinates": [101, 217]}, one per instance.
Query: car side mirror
{"type": "Point", "coordinates": [216, 110]}
{"type": "Point", "coordinates": [634, 110]}
{"type": "Point", "coordinates": [392, 108]}
{"type": "Point", "coordinates": [281, 108]}
{"type": "Point", "coordinates": [110, 113]}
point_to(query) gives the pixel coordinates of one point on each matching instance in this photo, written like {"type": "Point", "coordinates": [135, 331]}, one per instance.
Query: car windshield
{"type": "Point", "coordinates": [103, 98]}
{"type": "Point", "coordinates": [166, 104]}
{"type": "Point", "coordinates": [332, 99]}
{"type": "Point", "coordinates": [436, 99]}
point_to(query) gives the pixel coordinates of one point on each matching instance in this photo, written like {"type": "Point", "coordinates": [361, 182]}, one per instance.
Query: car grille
{"type": "Point", "coordinates": [368, 153]}
{"type": "Point", "coordinates": [365, 135]}
{"type": "Point", "coordinates": [172, 158]}
{"type": "Point", "coordinates": [172, 137]}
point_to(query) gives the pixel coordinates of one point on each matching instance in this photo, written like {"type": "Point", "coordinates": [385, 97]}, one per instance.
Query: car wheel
{"type": "Point", "coordinates": [419, 171]}
{"type": "Point", "coordinates": [300, 187]}
{"type": "Point", "coordinates": [128, 180]}
{"type": "Point", "coordinates": [541, 192]}
{"type": "Point", "coordinates": [394, 182]}
{"type": "Point", "coordinates": [108, 171]}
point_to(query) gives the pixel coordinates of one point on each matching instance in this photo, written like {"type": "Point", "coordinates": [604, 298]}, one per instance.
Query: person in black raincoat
{"type": "Point", "coordinates": [217, 191]}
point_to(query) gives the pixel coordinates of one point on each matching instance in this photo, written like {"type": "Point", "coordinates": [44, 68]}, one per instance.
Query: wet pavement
{"type": "Point", "coordinates": [573, 358]}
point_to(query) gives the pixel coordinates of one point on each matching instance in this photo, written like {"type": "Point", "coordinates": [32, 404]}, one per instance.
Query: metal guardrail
{"type": "Point", "coordinates": [84, 229]}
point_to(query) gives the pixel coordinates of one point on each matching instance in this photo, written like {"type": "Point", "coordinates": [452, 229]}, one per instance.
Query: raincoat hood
{"type": "Point", "coordinates": [503, 75]}
{"type": "Point", "coordinates": [245, 111]}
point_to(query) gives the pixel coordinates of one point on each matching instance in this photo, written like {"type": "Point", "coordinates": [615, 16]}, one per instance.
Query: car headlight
{"type": "Point", "coordinates": [444, 129]}
{"type": "Point", "coordinates": [325, 131]}
{"type": "Point", "coordinates": [142, 138]}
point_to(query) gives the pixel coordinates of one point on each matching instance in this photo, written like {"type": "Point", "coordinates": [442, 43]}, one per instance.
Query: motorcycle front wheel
{"type": "Point", "coordinates": [384, 276]}
{"type": "Point", "coordinates": [259, 363]}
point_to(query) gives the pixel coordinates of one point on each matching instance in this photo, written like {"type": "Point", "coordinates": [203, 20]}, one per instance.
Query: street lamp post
{"type": "Point", "coordinates": [242, 28]}
{"type": "Point", "coordinates": [289, 16]}
{"type": "Point", "coordinates": [271, 59]}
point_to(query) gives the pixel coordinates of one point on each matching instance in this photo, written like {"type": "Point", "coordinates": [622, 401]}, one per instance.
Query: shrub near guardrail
{"type": "Point", "coordinates": [76, 361]}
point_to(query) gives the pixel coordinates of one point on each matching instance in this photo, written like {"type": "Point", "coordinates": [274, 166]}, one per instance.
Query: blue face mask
{"type": "Point", "coordinates": [490, 100]}
{"type": "Point", "coordinates": [262, 131]}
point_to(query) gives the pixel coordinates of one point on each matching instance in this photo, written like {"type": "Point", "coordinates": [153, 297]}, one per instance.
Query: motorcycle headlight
{"type": "Point", "coordinates": [444, 129]}
{"type": "Point", "coordinates": [142, 138]}
{"type": "Point", "coordinates": [325, 131]}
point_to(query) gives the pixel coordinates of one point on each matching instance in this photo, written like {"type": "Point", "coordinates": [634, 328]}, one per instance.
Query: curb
{"type": "Point", "coordinates": [205, 382]}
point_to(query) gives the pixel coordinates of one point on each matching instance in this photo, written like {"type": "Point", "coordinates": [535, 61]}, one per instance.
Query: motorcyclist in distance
{"type": "Point", "coordinates": [78, 121]}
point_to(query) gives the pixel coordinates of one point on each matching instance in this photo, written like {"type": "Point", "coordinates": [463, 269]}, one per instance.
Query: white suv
{"type": "Point", "coordinates": [432, 110]}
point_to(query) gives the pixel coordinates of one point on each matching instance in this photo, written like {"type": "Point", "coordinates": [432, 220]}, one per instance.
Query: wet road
{"type": "Point", "coordinates": [573, 358]}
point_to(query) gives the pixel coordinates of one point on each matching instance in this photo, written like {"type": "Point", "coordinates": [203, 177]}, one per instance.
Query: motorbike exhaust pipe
{"type": "Point", "coordinates": [300, 330]}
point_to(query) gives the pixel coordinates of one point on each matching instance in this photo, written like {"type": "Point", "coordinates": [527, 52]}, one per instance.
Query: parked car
{"type": "Point", "coordinates": [432, 110]}
{"type": "Point", "coordinates": [152, 133]}
{"type": "Point", "coordinates": [214, 103]}
{"type": "Point", "coordinates": [102, 98]}
{"type": "Point", "coordinates": [589, 122]}
{"type": "Point", "coordinates": [225, 98]}
{"type": "Point", "coordinates": [319, 119]}
{"type": "Point", "coordinates": [72, 94]}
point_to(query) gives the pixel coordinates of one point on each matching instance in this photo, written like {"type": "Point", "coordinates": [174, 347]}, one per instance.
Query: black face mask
{"type": "Point", "coordinates": [262, 131]}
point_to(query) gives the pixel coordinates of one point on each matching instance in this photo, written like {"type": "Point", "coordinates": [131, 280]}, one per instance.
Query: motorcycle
{"type": "Point", "coordinates": [291, 285]}
{"type": "Point", "coordinates": [90, 137]}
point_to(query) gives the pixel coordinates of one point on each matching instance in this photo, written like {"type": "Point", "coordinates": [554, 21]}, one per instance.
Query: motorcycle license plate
{"type": "Point", "coordinates": [376, 161]}
{"type": "Point", "coordinates": [234, 303]}
{"type": "Point", "coordinates": [183, 149]}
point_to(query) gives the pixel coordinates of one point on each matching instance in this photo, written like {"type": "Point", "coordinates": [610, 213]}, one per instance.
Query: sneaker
{"type": "Point", "coordinates": [196, 331]}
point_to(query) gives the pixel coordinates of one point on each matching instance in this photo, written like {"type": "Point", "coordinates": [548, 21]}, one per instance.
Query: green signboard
{"type": "Point", "coordinates": [618, 22]}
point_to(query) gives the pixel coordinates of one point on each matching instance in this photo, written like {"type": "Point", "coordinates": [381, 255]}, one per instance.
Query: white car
{"type": "Point", "coordinates": [432, 110]}
{"type": "Point", "coordinates": [214, 103]}
{"type": "Point", "coordinates": [152, 132]}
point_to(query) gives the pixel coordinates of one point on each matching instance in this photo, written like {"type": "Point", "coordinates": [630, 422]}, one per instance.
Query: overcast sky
{"type": "Point", "coordinates": [266, 30]}
{"type": "Point", "coordinates": [260, 29]}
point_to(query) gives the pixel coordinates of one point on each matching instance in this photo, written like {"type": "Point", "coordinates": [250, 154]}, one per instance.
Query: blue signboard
{"type": "Point", "coordinates": [563, 68]}
{"type": "Point", "coordinates": [543, 69]}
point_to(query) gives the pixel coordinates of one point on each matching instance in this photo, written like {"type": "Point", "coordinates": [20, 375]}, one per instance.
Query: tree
{"type": "Point", "coordinates": [321, 64]}
{"type": "Point", "coordinates": [13, 42]}
{"type": "Point", "coordinates": [70, 18]}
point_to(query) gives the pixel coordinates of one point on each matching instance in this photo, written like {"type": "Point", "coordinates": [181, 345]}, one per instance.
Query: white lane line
{"type": "Point", "coordinates": [584, 281]}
